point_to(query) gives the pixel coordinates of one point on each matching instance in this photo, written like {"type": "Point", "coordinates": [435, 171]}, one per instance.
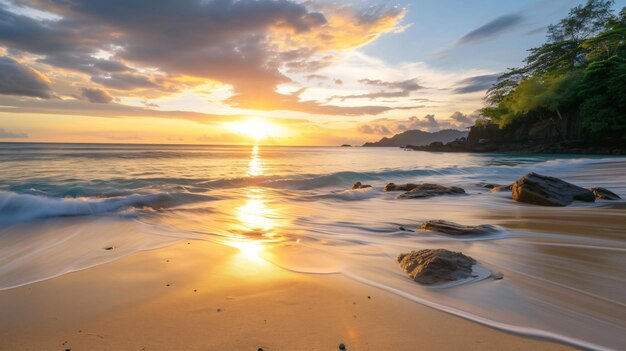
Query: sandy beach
{"type": "Point", "coordinates": [198, 295]}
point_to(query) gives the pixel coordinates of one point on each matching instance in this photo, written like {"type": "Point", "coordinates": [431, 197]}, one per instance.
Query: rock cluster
{"type": "Point", "coordinates": [426, 190]}
{"type": "Point", "coordinates": [400, 187]}
{"type": "Point", "coordinates": [358, 185]}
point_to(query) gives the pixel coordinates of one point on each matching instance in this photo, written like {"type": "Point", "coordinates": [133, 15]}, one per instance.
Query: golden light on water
{"type": "Point", "coordinates": [257, 220]}
{"type": "Point", "coordinates": [255, 167]}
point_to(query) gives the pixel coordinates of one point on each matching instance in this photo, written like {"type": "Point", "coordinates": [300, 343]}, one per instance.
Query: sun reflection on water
{"type": "Point", "coordinates": [257, 225]}
{"type": "Point", "coordinates": [255, 167]}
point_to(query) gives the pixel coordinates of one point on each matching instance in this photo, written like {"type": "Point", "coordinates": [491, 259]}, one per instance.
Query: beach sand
{"type": "Point", "coordinates": [203, 296]}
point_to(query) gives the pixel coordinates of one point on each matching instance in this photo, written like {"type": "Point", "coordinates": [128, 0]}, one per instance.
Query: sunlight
{"type": "Point", "coordinates": [249, 249]}
{"type": "Point", "coordinates": [256, 129]}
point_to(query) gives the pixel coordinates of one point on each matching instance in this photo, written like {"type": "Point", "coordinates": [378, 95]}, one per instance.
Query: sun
{"type": "Point", "coordinates": [256, 129]}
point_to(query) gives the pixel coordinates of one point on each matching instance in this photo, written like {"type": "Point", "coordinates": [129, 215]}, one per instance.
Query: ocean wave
{"type": "Point", "coordinates": [19, 208]}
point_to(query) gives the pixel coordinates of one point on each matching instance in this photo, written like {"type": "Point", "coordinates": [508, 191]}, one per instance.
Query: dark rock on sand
{"type": "Point", "coordinates": [542, 190]}
{"type": "Point", "coordinates": [358, 185]}
{"type": "Point", "coordinates": [400, 187]}
{"type": "Point", "coordinates": [342, 347]}
{"type": "Point", "coordinates": [604, 194]}
{"type": "Point", "coordinates": [436, 266]}
{"type": "Point", "coordinates": [428, 190]}
{"type": "Point", "coordinates": [497, 276]}
{"type": "Point", "coordinates": [452, 228]}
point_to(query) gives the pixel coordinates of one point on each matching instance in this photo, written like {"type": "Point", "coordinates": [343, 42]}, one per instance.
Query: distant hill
{"type": "Point", "coordinates": [419, 138]}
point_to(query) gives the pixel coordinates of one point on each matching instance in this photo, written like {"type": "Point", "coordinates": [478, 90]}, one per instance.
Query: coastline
{"type": "Point", "coordinates": [219, 298]}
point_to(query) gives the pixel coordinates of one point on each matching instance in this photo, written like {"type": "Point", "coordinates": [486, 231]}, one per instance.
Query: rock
{"type": "Point", "coordinates": [497, 276]}
{"type": "Point", "coordinates": [405, 229]}
{"type": "Point", "coordinates": [604, 194]}
{"type": "Point", "coordinates": [400, 187]}
{"type": "Point", "coordinates": [109, 248]}
{"type": "Point", "coordinates": [488, 185]}
{"type": "Point", "coordinates": [500, 188]}
{"type": "Point", "coordinates": [346, 145]}
{"type": "Point", "coordinates": [342, 347]}
{"type": "Point", "coordinates": [436, 266]}
{"type": "Point", "coordinates": [428, 190]}
{"type": "Point", "coordinates": [452, 228]}
{"type": "Point", "coordinates": [542, 190]}
{"type": "Point", "coordinates": [358, 185]}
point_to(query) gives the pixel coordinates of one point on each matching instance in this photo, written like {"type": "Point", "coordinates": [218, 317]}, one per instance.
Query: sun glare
{"type": "Point", "coordinates": [256, 129]}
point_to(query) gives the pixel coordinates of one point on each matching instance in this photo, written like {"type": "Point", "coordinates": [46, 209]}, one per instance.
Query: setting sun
{"type": "Point", "coordinates": [256, 129]}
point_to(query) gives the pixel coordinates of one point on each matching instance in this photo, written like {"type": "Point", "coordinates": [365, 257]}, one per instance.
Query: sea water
{"type": "Point", "coordinates": [67, 207]}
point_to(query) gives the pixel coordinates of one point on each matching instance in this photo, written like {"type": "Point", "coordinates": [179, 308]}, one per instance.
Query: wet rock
{"type": "Point", "coordinates": [429, 190]}
{"type": "Point", "coordinates": [499, 188]}
{"type": "Point", "coordinates": [604, 194]}
{"type": "Point", "coordinates": [109, 248]}
{"type": "Point", "coordinates": [497, 276]}
{"type": "Point", "coordinates": [358, 185]}
{"type": "Point", "coordinates": [452, 228]}
{"type": "Point", "coordinates": [400, 187]}
{"type": "Point", "coordinates": [405, 229]}
{"type": "Point", "coordinates": [542, 190]}
{"type": "Point", "coordinates": [436, 266]}
{"type": "Point", "coordinates": [342, 347]}
{"type": "Point", "coordinates": [488, 185]}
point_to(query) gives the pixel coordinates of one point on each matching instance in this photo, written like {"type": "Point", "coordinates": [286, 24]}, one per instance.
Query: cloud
{"type": "Point", "coordinates": [5, 134]}
{"type": "Point", "coordinates": [96, 95]}
{"type": "Point", "coordinates": [18, 79]}
{"type": "Point", "coordinates": [491, 30]}
{"type": "Point", "coordinates": [387, 126]}
{"type": "Point", "coordinates": [402, 88]}
{"type": "Point", "coordinates": [247, 45]}
{"type": "Point", "coordinates": [476, 83]}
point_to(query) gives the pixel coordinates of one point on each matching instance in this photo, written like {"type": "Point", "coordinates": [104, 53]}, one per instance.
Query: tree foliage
{"type": "Point", "coordinates": [577, 76]}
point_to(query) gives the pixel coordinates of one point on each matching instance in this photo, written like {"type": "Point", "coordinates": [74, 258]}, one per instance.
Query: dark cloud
{"type": "Point", "coordinates": [539, 30]}
{"type": "Point", "coordinates": [476, 83]}
{"type": "Point", "coordinates": [492, 29]}
{"type": "Point", "coordinates": [18, 79]}
{"type": "Point", "coordinates": [96, 95]}
{"type": "Point", "coordinates": [5, 134]}
{"type": "Point", "coordinates": [124, 81]}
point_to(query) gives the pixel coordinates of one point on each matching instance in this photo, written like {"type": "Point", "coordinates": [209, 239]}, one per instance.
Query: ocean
{"type": "Point", "coordinates": [68, 207]}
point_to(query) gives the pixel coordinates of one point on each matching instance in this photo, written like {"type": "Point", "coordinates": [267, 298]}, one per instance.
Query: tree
{"type": "Point", "coordinates": [604, 106]}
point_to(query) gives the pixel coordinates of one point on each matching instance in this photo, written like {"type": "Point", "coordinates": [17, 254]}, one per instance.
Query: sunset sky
{"type": "Point", "coordinates": [277, 72]}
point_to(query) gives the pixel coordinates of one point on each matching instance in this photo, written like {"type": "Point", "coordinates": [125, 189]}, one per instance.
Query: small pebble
{"type": "Point", "coordinates": [108, 248]}
{"type": "Point", "coordinates": [194, 290]}
{"type": "Point", "coordinates": [167, 285]}
{"type": "Point", "coordinates": [369, 297]}
{"type": "Point", "coordinates": [342, 347]}
{"type": "Point", "coordinates": [260, 349]}
{"type": "Point", "coordinates": [219, 310]}
{"type": "Point", "coordinates": [497, 275]}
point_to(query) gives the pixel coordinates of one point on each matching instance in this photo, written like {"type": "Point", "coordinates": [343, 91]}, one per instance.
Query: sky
{"type": "Point", "coordinates": [283, 72]}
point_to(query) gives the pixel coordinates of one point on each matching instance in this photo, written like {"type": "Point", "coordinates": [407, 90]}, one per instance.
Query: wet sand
{"type": "Point", "coordinates": [199, 295]}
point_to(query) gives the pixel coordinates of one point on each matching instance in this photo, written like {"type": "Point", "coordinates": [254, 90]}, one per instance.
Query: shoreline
{"type": "Point", "coordinates": [201, 295]}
